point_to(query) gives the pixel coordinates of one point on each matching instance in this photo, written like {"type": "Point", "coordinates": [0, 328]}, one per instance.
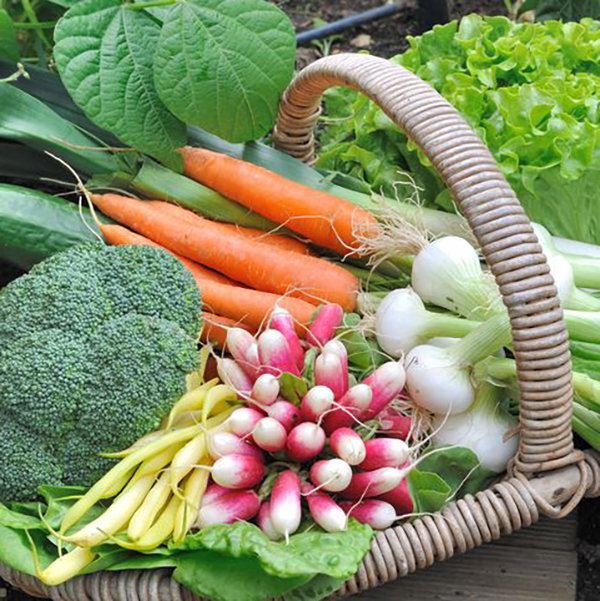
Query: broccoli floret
{"type": "Point", "coordinates": [95, 347]}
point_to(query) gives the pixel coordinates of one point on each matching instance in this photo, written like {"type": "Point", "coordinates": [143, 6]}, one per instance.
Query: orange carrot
{"type": "Point", "coordinates": [278, 240]}
{"type": "Point", "coordinates": [215, 329]}
{"type": "Point", "coordinates": [118, 235]}
{"type": "Point", "coordinates": [244, 305]}
{"type": "Point", "coordinates": [327, 220]}
{"type": "Point", "coordinates": [258, 265]}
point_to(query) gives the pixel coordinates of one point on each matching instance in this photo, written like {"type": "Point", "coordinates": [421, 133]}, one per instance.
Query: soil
{"type": "Point", "coordinates": [386, 38]}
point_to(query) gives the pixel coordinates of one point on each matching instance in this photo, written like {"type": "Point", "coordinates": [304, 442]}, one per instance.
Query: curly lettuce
{"type": "Point", "coordinates": [530, 90]}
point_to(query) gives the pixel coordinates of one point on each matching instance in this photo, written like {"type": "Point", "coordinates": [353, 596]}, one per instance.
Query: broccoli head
{"type": "Point", "coordinates": [95, 347]}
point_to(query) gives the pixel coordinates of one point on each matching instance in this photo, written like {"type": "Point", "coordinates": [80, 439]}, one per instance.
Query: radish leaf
{"type": "Point", "coordinates": [223, 65]}
{"type": "Point", "coordinates": [104, 53]}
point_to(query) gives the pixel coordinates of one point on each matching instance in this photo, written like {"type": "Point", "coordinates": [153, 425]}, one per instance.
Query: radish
{"type": "Point", "coordinates": [305, 442]}
{"type": "Point", "coordinates": [373, 484]}
{"type": "Point", "coordinates": [275, 354]}
{"type": "Point", "coordinates": [394, 425]}
{"type": "Point", "coordinates": [265, 523]}
{"type": "Point", "coordinates": [244, 350]}
{"type": "Point", "coordinates": [377, 514]}
{"type": "Point", "coordinates": [399, 498]}
{"type": "Point", "coordinates": [227, 443]}
{"type": "Point", "coordinates": [328, 319]}
{"type": "Point", "coordinates": [354, 402]}
{"type": "Point", "coordinates": [285, 413]}
{"type": "Point", "coordinates": [384, 452]}
{"type": "Point", "coordinates": [387, 383]}
{"type": "Point", "coordinates": [286, 511]}
{"type": "Point", "coordinates": [235, 506]}
{"type": "Point", "coordinates": [333, 475]}
{"type": "Point", "coordinates": [337, 348]}
{"type": "Point", "coordinates": [269, 435]}
{"type": "Point", "coordinates": [238, 471]}
{"type": "Point", "coordinates": [283, 322]}
{"type": "Point", "coordinates": [242, 421]}
{"type": "Point", "coordinates": [232, 374]}
{"type": "Point", "coordinates": [330, 372]}
{"type": "Point", "coordinates": [324, 510]}
{"type": "Point", "coordinates": [265, 389]}
{"type": "Point", "coordinates": [316, 402]}
{"type": "Point", "coordinates": [213, 493]}
{"type": "Point", "coordinates": [348, 445]}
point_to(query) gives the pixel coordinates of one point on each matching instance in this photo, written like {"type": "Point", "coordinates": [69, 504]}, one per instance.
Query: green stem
{"type": "Point", "coordinates": [582, 301]}
{"type": "Point", "coordinates": [586, 271]}
{"type": "Point", "coordinates": [582, 325]}
{"type": "Point", "coordinates": [157, 182]}
{"type": "Point", "coordinates": [591, 436]}
{"type": "Point", "coordinates": [151, 4]}
{"type": "Point", "coordinates": [482, 342]}
{"type": "Point", "coordinates": [38, 25]}
{"type": "Point", "coordinates": [28, 8]}
{"type": "Point", "coordinates": [403, 262]}
{"type": "Point", "coordinates": [448, 325]}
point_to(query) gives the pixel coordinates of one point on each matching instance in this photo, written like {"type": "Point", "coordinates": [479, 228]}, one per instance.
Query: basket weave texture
{"type": "Point", "coordinates": [548, 476]}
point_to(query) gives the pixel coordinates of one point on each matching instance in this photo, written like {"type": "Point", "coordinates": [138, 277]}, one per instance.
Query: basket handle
{"type": "Point", "coordinates": [494, 214]}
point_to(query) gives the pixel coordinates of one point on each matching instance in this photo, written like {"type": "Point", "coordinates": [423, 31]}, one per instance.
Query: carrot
{"type": "Point", "coordinates": [278, 240]}
{"type": "Point", "coordinates": [118, 235]}
{"type": "Point", "coordinates": [216, 327]}
{"type": "Point", "coordinates": [244, 305]}
{"type": "Point", "coordinates": [258, 265]}
{"type": "Point", "coordinates": [327, 220]}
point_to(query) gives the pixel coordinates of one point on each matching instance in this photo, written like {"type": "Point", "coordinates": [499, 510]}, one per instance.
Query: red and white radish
{"type": "Point", "coordinates": [282, 321]}
{"type": "Point", "coordinates": [337, 348]}
{"type": "Point", "coordinates": [270, 435]}
{"type": "Point", "coordinates": [373, 484]}
{"type": "Point", "coordinates": [227, 443]}
{"type": "Point", "coordinates": [317, 401]}
{"type": "Point", "coordinates": [324, 510]}
{"type": "Point", "coordinates": [353, 403]}
{"type": "Point", "coordinates": [394, 425]}
{"type": "Point", "coordinates": [285, 413]}
{"type": "Point", "coordinates": [387, 383]}
{"type": "Point", "coordinates": [330, 372]}
{"type": "Point", "coordinates": [265, 523]}
{"type": "Point", "coordinates": [333, 475]}
{"type": "Point", "coordinates": [348, 445]}
{"type": "Point", "coordinates": [384, 452]}
{"type": "Point", "coordinates": [305, 442]}
{"type": "Point", "coordinates": [238, 471]}
{"type": "Point", "coordinates": [236, 506]}
{"type": "Point", "coordinates": [399, 498]}
{"type": "Point", "coordinates": [275, 354]}
{"type": "Point", "coordinates": [265, 389]}
{"type": "Point", "coordinates": [286, 510]}
{"type": "Point", "coordinates": [328, 319]}
{"type": "Point", "coordinates": [377, 514]}
{"type": "Point", "coordinates": [214, 492]}
{"type": "Point", "coordinates": [232, 374]}
{"type": "Point", "coordinates": [243, 348]}
{"type": "Point", "coordinates": [242, 421]}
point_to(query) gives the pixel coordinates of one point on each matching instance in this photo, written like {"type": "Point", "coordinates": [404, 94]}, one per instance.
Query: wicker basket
{"type": "Point", "coordinates": [548, 476]}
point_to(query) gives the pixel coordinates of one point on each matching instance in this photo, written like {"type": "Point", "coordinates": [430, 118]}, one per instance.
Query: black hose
{"type": "Point", "coordinates": [353, 21]}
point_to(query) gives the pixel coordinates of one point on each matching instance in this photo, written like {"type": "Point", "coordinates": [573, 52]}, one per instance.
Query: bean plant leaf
{"type": "Point", "coordinates": [104, 53]}
{"type": "Point", "coordinates": [223, 65]}
{"type": "Point", "coordinates": [9, 47]}
{"type": "Point", "coordinates": [563, 10]}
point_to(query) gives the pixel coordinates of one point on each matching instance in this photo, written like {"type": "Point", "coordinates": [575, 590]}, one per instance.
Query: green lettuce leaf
{"type": "Point", "coordinates": [307, 554]}
{"type": "Point", "coordinates": [532, 93]}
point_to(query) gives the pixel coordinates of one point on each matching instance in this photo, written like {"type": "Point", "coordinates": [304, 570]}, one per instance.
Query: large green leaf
{"type": "Point", "coordinates": [8, 40]}
{"type": "Point", "coordinates": [223, 65]}
{"type": "Point", "coordinates": [565, 10]}
{"type": "Point", "coordinates": [105, 54]}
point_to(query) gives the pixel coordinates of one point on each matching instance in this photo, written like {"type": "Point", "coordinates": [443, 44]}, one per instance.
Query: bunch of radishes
{"type": "Point", "coordinates": [314, 441]}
